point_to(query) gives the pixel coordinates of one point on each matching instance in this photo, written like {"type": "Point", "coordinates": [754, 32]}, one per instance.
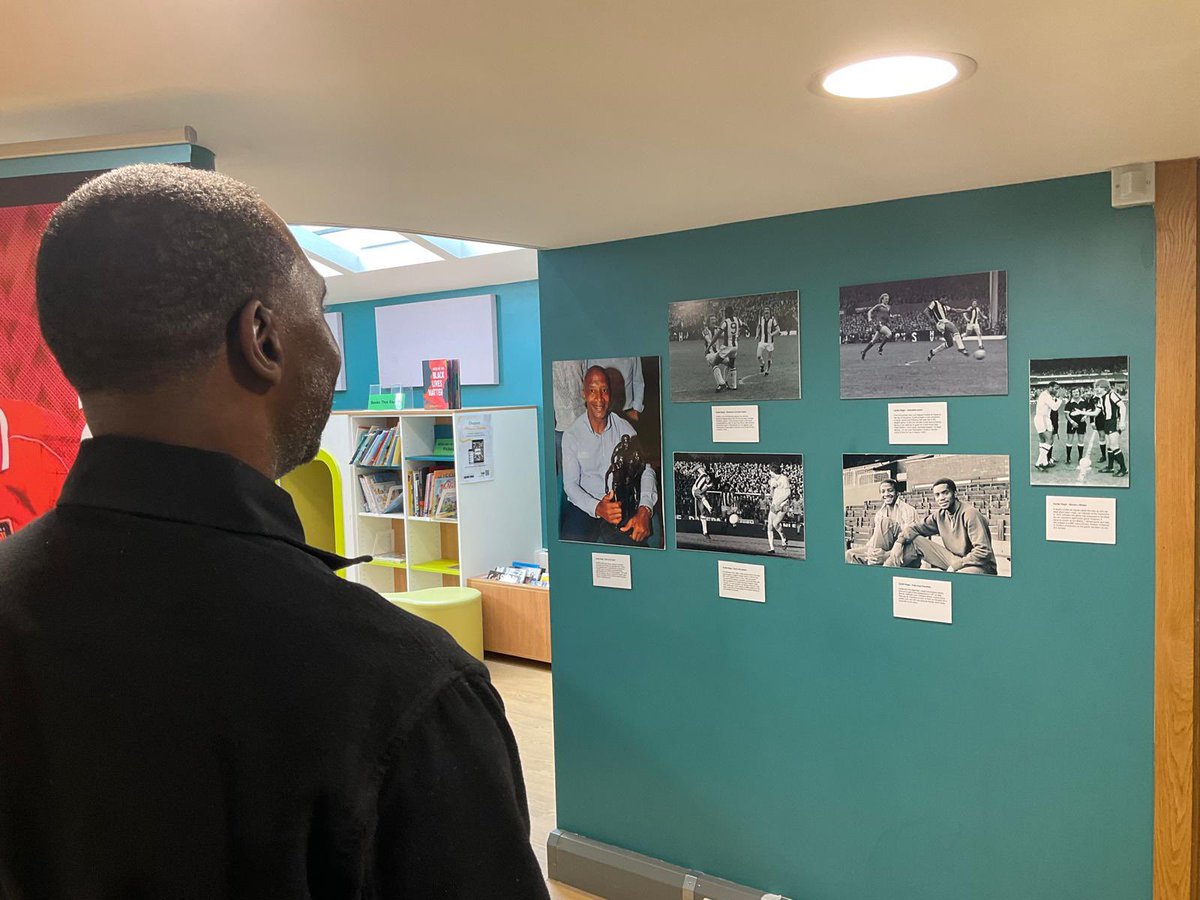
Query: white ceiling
{"type": "Point", "coordinates": [573, 121]}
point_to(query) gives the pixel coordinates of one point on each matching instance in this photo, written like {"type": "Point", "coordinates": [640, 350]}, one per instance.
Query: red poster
{"type": "Point", "coordinates": [40, 420]}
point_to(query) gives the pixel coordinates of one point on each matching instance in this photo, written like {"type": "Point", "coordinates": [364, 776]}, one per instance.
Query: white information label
{"type": "Point", "coordinates": [915, 598]}
{"type": "Point", "coordinates": [611, 570]}
{"type": "Point", "coordinates": [1084, 520]}
{"type": "Point", "coordinates": [735, 424]}
{"type": "Point", "coordinates": [741, 581]}
{"type": "Point", "coordinates": [918, 423]}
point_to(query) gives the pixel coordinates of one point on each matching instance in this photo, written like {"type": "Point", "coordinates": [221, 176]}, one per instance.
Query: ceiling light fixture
{"type": "Point", "coordinates": [894, 76]}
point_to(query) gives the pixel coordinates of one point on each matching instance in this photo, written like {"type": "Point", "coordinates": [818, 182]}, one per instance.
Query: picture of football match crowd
{"type": "Point", "coordinates": [743, 489]}
{"type": "Point", "coordinates": [910, 323]}
{"type": "Point", "coordinates": [687, 319]}
{"type": "Point", "coordinates": [740, 502]}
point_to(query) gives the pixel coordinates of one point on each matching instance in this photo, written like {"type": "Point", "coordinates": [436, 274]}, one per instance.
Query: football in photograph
{"type": "Point", "coordinates": [1079, 421]}
{"type": "Point", "coordinates": [946, 512]}
{"type": "Point", "coordinates": [740, 503]}
{"type": "Point", "coordinates": [608, 450]}
{"type": "Point", "coordinates": [735, 348]}
{"type": "Point", "coordinates": [927, 337]}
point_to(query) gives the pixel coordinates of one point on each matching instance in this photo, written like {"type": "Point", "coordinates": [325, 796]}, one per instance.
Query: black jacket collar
{"type": "Point", "coordinates": [183, 484]}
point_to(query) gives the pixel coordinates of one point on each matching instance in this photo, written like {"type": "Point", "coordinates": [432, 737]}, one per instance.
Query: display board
{"type": "Point", "coordinates": [462, 328]}
{"type": "Point", "coordinates": [41, 422]}
{"type": "Point", "coordinates": [853, 753]}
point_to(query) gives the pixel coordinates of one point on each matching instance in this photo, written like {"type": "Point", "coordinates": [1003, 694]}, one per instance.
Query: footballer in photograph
{"type": "Point", "coordinates": [1079, 421]}
{"type": "Point", "coordinates": [926, 337]}
{"type": "Point", "coordinates": [735, 348]}
{"type": "Point", "coordinates": [740, 503]}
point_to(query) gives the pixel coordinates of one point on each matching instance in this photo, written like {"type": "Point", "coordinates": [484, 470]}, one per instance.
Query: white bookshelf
{"type": "Point", "coordinates": [497, 521]}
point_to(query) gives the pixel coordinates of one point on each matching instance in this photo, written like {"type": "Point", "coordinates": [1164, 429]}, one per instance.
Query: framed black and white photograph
{"type": "Point", "coordinates": [608, 450]}
{"type": "Point", "coordinates": [740, 503]}
{"type": "Point", "coordinates": [947, 512]}
{"type": "Point", "coordinates": [735, 348]}
{"type": "Point", "coordinates": [926, 337]}
{"type": "Point", "coordinates": [1079, 421]}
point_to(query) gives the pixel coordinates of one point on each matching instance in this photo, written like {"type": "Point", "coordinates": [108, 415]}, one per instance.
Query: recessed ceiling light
{"type": "Point", "coordinates": [894, 76]}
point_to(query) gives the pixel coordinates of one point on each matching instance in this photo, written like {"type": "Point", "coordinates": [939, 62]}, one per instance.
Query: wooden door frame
{"type": "Point", "coordinates": [1176, 576]}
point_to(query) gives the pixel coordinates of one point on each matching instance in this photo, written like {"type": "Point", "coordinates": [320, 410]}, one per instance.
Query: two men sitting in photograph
{"type": "Point", "coordinates": [902, 539]}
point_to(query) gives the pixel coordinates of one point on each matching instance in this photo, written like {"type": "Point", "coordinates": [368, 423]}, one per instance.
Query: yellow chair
{"type": "Point", "coordinates": [316, 489]}
{"type": "Point", "coordinates": [459, 610]}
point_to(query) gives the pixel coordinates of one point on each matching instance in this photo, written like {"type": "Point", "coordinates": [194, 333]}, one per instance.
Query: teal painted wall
{"type": "Point", "coordinates": [814, 745]}
{"type": "Point", "coordinates": [518, 333]}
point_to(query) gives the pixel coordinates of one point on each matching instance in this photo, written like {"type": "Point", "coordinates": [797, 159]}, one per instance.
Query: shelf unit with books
{"type": "Point", "coordinates": [376, 518]}
{"type": "Point", "coordinates": [483, 523]}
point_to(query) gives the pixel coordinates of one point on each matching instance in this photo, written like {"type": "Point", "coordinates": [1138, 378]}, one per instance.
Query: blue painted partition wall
{"type": "Point", "coordinates": [517, 335]}
{"type": "Point", "coordinates": [814, 745]}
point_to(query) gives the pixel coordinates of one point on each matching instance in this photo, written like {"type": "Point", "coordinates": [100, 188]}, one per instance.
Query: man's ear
{"type": "Point", "coordinates": [260, 342]}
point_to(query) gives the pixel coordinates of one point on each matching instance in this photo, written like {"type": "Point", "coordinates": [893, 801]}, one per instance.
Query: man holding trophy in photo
{"type": "Point", "coordinates": [610, 490]}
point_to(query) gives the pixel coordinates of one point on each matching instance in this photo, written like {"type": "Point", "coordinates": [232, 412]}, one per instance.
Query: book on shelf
{"type": "Point", "coordinates": [440, 378]}
{"type": "Point", "coordinates": [377, 446]}
{"type": "Point", "coordinates": [447, 502]}
{"type": "Point", "coordinates": [426, 484]}
{"type": "Point", "coordinates": [363, 433]}
{"type": "Point", "coordinates": [394, 502]}
{"type": "Point", "coordinates": [440, 481]}
{"type": "Point", "coordinates": [380, 491]}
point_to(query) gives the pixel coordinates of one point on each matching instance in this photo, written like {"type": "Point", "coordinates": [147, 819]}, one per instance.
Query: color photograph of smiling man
{"type": "Point", "coordinates": [610, 463]}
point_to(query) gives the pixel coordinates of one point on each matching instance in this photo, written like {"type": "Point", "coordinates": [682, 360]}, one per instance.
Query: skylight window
{"type": "Point", "coordinates": [336, 250]}
{"type": "Point", "coordinates": [322, 269]}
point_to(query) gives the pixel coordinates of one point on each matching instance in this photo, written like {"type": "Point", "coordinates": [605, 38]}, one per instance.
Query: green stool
{"type": "Point", "coordinates": [459, 610]}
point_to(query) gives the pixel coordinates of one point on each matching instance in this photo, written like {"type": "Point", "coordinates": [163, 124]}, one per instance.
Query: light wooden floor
{"type": "Point", "coordinates": [525, 687]}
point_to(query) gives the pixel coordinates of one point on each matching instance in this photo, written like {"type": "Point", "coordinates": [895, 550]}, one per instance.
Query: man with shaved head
{"type": "Point", "coordinates": [192, 703]}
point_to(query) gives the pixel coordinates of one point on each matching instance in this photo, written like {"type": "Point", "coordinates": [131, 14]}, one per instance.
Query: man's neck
{"type": "Point", "coordinates": [599, 427]}
{"type": "Point", "coordinates": [192, 419]}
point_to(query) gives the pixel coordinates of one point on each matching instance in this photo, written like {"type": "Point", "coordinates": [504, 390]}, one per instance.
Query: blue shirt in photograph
{"type": "Point", "coordinates": [586, 457]}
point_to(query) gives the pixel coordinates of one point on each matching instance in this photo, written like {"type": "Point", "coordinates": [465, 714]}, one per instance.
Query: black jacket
{"type": "Point", "coordinates": [193, 705]}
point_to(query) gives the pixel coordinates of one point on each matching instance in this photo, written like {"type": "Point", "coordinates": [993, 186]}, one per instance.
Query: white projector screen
{"type": "Point", "coordinates": [462, 328]}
